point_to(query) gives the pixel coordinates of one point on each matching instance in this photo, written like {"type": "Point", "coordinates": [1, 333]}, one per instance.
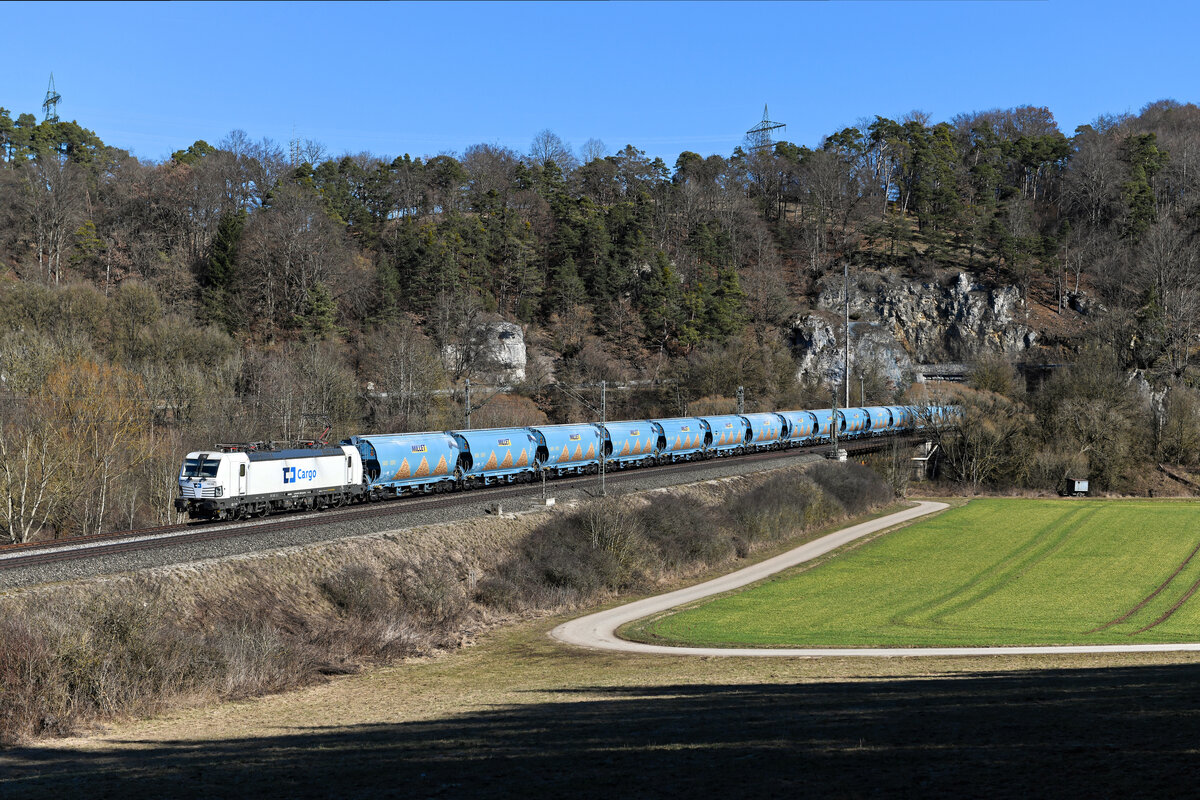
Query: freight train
{"type": "Point", "coordinates": [247, 480]}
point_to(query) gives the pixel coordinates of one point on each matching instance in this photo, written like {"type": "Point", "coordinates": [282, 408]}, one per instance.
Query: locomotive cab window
{"type": "Point", "coordinates": [242, 471]}
{"type": "Point", "coordinates": [201, 467]}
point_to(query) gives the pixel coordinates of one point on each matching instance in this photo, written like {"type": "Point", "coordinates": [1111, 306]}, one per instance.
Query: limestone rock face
{"type": "Point", "coordinates": [1084, 303]}
{"type": "Point", "coordinates": [1156, 398]}
{"type": "Point", "coordinates": [496, 350]}
{"type": "Point", "coordinates": [817, 339]}
{"type": "Point", "coordinates": [504, 344]}
{"type": "Point", "coordinates": [896, 323]}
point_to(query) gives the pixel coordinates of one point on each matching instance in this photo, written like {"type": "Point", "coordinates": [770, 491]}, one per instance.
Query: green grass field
{"type": "Point", "coordinates": [993, 572]}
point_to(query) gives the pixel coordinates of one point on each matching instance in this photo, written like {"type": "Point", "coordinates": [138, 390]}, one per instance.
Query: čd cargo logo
{"type": "Point", "coordinates": [418, 448]}
{"type": "Point", "coordinates": [504, 442]}
{"type": "Point", "coordinates": [292, 475]}
{"type": "Point", "coordinates": [575, 437]}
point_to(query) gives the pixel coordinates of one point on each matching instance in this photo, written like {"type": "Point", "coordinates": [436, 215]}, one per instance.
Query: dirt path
{"type": "Point", "coordinates": [598, 631]}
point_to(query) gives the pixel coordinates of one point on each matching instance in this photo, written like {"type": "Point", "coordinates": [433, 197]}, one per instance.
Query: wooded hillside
{"type": "Point", "coordinates": [237, 291]}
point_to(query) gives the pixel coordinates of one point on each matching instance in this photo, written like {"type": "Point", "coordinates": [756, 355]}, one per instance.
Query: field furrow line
{"type": "Point", "coordinates": [1046, 541]}
{"type": "Point", "coordinates": [1046, 545]}
{"type": "Point", "coordinates": [1148, 598]}
{"type": "Point", "coordinates": [1178, 605]}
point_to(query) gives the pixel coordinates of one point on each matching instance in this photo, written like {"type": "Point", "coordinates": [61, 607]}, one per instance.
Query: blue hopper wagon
{"type": "Point", "coordinates": [408, 463]}
{"type": "Point", "coordinates": [879, 419]}
{"type": "Point", "coordinates": [766, 430]}
{"type": "Point", "coordinates": [568, 449]}
{"type": "Point", "coordinates": [902, 417]}
{"type": "Point", "coordinates": [801, 427]}
{"type": "Point", "coordinates": [827, 421]}
{"type": "Point", "coordinates": [857, 421]}
{"type": "Point", "coordinates": [631, 443]}
{"type": "Point", "coordinates": [680, 438]}
{"type": "Point", "coordinates": [497, 455]}
{"type": "Point", "coordinates": [727, 434]}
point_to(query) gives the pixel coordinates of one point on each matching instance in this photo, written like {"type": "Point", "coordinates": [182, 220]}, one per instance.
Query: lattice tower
{"type": "Point", "coordinates": [50, 105]}
{"type": "Point", "coordinates": [760, 136]}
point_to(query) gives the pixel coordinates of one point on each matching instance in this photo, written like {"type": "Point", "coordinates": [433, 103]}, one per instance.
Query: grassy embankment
{"type": "Point", "coordinates": [994, 572]}
{"type": "Point", "coordinates": [142, 643]}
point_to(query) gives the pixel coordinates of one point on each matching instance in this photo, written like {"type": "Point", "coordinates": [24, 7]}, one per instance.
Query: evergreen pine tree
{"type": "Point", "coordinates": [218, 275]}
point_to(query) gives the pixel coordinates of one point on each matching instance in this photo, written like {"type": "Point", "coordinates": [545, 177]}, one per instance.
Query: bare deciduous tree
{"type": "Point", "coordinates": [592, 149]}
{"type": "Point", "coordinates": [548, 147]}
{"type": "Point", "coordinates": [405, 375]}
{"type": "Point", "coordinates": [54, 194]}
{"type": "Point", "coordinates": [35, 486]}
{"type": "Point", "coordinates": [979, 436]}
{"type": "Point", "coordinates": [100, 421]}
{"type": "Point", "coordinates": [289, 249]}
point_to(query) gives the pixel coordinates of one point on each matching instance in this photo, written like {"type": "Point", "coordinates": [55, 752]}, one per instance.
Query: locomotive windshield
{"type": "Point", "coordinates": [200, 467]}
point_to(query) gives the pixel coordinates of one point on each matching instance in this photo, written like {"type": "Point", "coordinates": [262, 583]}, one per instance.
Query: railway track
{"type": "Point", "coordinates": [16, 556]}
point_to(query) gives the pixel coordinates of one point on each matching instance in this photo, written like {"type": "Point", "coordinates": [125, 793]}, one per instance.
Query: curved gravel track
{"type": "Point", "coordinates": [598, 631]}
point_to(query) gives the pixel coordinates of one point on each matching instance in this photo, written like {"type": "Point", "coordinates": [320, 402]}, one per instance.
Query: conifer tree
{"type": "Point", "coordinates": [218, 274]}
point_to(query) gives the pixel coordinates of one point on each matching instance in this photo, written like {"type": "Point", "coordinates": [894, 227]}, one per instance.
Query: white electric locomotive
{"type": "Point", "coordinates": [239, 481]}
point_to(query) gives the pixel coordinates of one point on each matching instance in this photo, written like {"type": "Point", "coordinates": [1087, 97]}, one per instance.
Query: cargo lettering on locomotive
{"type": "Point", "coordinates": [292, 474]}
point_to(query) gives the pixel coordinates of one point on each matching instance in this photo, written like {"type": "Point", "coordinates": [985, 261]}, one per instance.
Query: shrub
{"type": "Point", "coordinates": [431, 592]}
{"type": "Point", "coordinates": [602, 545]}
{"type": "Point", "coordinates": [774, 508]}
{"type": "Point", "coordinates": [611, 528]}
{"type": "Point", "coordinates": [855, 487]}
{"type": "Point", "coordinates": [1049, 465]}
{"type": "Point", "coordinates": [687, 532]}
{"type": "Point", "coordinates": [32, 696]}
{"type": "Point", "coordinates": [357, 590]}
{"type": "Point", "coordinates": [256, 657]}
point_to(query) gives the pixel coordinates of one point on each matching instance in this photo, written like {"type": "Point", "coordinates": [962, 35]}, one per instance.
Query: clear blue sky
{"type": "Point", "coordinates": [425, 78]}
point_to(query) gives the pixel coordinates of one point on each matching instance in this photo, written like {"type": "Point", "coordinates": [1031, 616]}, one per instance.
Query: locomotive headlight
{"type": "Point", "coordinates": [220, 491]}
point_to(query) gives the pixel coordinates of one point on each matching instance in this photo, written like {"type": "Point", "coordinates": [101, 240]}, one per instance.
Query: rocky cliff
{"type": "Point", "coordinates": [495, 349]}
{"type": "Point", "coordinates": [896, 323]}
